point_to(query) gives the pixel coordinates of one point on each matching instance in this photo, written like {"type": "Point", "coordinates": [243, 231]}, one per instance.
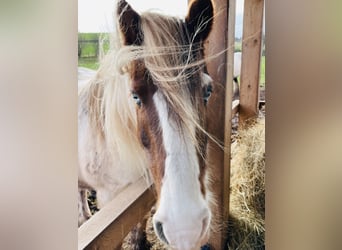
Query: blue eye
{"type": "Point", "coordinates": [136, 99]}
{"type": "Point", "coordinates": [207, 93]}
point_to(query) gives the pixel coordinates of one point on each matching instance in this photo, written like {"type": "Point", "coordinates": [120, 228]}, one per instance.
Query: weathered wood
{"type": "Point", "coordinates": [228, 111]}
{"type": "Point", "coordinates": [251, 54]}
{"type": "Point", "coordinates": [108, 227]}
{"type": "Point", "coordinates": [217, 68]}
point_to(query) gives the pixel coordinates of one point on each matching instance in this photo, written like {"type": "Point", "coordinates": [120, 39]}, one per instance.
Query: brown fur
{"type": "Point", "coordinates": [130, 24]}
{"type": "Point", "coordinates": [200, 19]}
{"type": "Point", "coordinates": [148, 122]}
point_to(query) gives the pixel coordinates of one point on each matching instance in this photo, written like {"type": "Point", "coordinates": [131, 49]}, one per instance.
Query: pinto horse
{"type": "Point", "coordinates": [144, 114]}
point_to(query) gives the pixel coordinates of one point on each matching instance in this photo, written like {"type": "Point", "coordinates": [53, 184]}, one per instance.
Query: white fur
{"type": "Point", "coordinates": [182, 207]}
{"type": "Point", "coordinates": [99, 168]}
{"type": "Point", "coordinates": [206, 79]}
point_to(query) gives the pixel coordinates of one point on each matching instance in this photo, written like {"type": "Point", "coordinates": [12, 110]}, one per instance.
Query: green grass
{"type": "Point", "coordinates": [88, 49]}
{"type": "Point", "coordinates": [88, 36]}
{"type": "Point", "coordinates": [237, 46]}
{"type": "Point", "coordinates": [90, 63]}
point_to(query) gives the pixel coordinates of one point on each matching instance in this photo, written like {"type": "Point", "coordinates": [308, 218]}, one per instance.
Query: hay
{"type": "Point", "coordinates": [152, 242]}
{"type": "Point", "coordinates": [136, 239]}
{"type": "Point", "coordinates": [246, 225]}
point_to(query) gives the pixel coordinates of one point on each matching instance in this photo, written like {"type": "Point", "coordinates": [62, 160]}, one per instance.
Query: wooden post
{"type": "Point", "coordinates": [219, 112]}
{"type": "Point", "coordinates": [251, 53]}
{"type": "Point", "coordinates": [228, 108]}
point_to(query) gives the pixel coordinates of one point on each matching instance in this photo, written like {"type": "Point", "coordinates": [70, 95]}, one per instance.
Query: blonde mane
{"type": "Point", "coordinates": [170, 63]}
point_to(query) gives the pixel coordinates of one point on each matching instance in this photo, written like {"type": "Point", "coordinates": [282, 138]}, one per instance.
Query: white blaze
{"type": "Point", "coordinates": [182, 207]}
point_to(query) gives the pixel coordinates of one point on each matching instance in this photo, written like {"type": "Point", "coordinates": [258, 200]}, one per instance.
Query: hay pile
{"type": "Point", "coordinates": [246, 225]}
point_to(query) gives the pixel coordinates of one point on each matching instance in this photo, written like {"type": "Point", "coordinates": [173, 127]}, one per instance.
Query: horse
{"type": "Point", "coordinates": [144, 113]}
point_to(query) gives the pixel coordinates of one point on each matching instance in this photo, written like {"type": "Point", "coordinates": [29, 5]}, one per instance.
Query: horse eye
{"type": "Point", "coordinates": [136, 99]}
{"type": "Point", "coordinates": [207, 93]}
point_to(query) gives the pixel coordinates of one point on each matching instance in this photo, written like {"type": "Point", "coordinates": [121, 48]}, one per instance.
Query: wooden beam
{"type": "Point", "coordinates": [228, 110]}
{"type": "Point", "coordinates": [219, 113]}
{"type": "Point", "coordinates": [108, 227]}
{"type": "Point", "coordinates": [251, 54]}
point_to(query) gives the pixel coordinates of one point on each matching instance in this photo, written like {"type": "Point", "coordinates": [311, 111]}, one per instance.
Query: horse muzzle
{"type": "Point", "coordinates": [184, 232]}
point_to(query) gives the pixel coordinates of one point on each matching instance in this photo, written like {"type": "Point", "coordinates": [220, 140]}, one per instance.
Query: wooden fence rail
{"type": "Point", "coordinates": [108, 227]}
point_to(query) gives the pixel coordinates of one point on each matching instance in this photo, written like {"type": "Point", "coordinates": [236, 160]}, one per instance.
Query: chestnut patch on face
{"type": "Point", "coordinates": [145, 140]}
{"type": "Point", "coordinates": [148, 130]}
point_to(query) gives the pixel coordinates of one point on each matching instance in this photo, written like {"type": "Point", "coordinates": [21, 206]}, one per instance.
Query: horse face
{"type": "Point", "coordinates": [175, 143]}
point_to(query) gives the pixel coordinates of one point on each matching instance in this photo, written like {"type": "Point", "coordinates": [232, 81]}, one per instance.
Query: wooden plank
{"type": "Point", "coordinates": [251, 55]}
{"type": "Point", "coordinates": [108, 227]}
{"type": "Point", "coordinates": [217, 69]}
{"type": "Point", "coordinates": [228, 110]}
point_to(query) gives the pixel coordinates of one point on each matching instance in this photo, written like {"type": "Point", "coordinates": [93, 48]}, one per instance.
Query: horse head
{"type": "Point", "coordinates": [171, 91]}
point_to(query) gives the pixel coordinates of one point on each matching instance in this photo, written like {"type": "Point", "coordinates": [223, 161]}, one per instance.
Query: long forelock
{"type": "Point", "coordinates": [174, 63]}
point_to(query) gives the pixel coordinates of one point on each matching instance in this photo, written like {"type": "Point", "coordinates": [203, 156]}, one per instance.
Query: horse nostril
{"type": "Point", "coordinates": [206, 247]}
{"type": "Point", "coordinates": [160, 232]}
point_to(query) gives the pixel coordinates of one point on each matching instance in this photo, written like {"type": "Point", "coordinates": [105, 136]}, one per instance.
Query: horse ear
{"type": "Point", "coordinates": [129, 24]}
{"type": "Point", "coordinates": [199, 19]}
